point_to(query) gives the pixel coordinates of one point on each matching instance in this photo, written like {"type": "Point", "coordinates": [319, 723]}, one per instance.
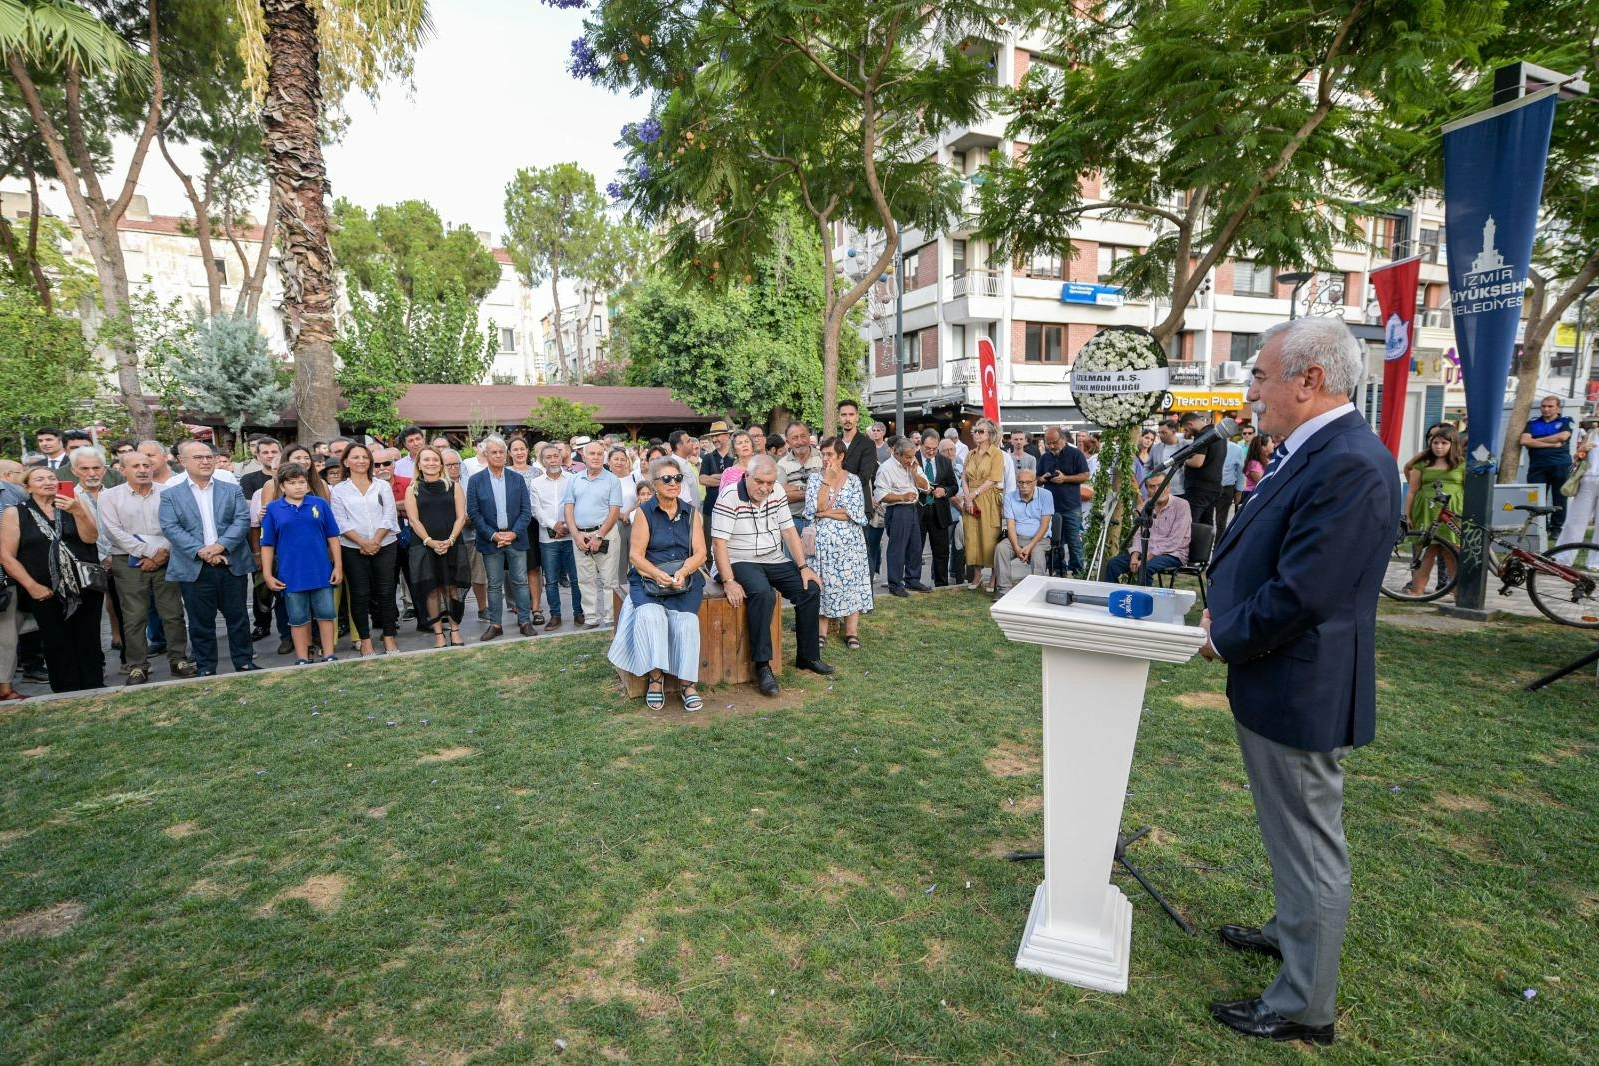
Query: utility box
{"type": "Point", "coordinates": [1506, 520]}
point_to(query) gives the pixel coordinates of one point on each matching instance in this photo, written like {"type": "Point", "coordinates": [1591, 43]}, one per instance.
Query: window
{"type": "Point", "coordinates": [1245, 347]}
{"type": "Point", "coordinates": [957, 160]}
{"type": "Point", "coordinates": [957, 257]}
{"type": "Point", "coordinates": [508, 340]}
{"type": "Point", "coordinates": [221, 267]}
{"type": "Point", "coordinates": [1253, 279]}
{"type": "Point", "coordinates": [1110, 257]}
{"type": "Point", "coordinates": [1392, 236]}
{"type": "Point", "coordinates": [913, 349]}
{"type": "Point", "coordinates": [910, 266]}
{"type": "Point", "coordinates": [1428, 249]}
{"type": "Point", "coordinates": [1045, 265]}
{"type": "Point", "coordinates": [1045, 343]}
{"type": "Point", "coordinates": [957, 342]}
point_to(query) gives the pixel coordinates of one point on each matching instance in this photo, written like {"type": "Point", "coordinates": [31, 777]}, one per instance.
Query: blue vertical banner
{"type": "Point", "coordinates": [1493, 181]}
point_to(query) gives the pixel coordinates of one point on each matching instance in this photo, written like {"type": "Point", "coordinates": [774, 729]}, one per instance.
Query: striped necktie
{"type": "Point", "coordinates": [1277, 456]}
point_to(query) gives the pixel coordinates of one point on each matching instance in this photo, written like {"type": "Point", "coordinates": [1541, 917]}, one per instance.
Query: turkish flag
{"type": "Point", "coordinates": [1396, 298]}
{"type": "Point", "coordinates": [990, 373]}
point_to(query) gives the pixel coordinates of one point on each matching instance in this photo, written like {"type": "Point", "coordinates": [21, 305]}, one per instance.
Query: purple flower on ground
{"type": "Point", "coordinates": [583, 64]}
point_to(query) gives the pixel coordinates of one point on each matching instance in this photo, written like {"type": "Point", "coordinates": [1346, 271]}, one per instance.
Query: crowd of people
{"type": "Point", "coordinates": [332, 546]}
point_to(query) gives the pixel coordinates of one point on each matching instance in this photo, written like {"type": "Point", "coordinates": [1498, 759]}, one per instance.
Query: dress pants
{"type": "Point", "coordinates": [1299, 805]}
{"type": "Point", "coordinates": [1005, 558]}
{"type": "Point", "coordinates": [903, 525]}
{"type": "Point", "coordinates": [143, 594]}
{"type": "Point", "coordinates": [874, 547]}
{"type": "Point", "coordinates": [762, 582]}
{"type": "Point", "coordinates": [596, 577]}
{"type": "Point", "coordinates": [72, 653]}
{"type": "Point", "coordinates": [1552, 477]}
{"type": "Point", "coordinates": [216, 588]}
{"type": "Point", "coordinates": [369, 583]}
{"type": "Point", "coordinates": [1119, 566]}
{"type": "Point", "coordinates": [1223, 510]}
{"type": "Point", "coordinates": [936, 537]}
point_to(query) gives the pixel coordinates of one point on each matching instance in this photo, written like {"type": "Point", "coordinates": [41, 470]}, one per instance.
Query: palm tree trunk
{"type": "Point", "coordinates": [291, 116]}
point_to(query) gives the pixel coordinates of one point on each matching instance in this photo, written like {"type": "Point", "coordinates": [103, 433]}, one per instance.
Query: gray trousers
{"type": "Point", "coordinates": [1005, 560]}
{"type": "Point", "coordinates": [1299, 804]}
{"type": "Point", "coordinates": [138, 592]}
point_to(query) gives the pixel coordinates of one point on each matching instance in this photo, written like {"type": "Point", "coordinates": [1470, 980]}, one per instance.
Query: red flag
{"type": "Point", "coordinates": [1396, 299]}
{"type": "Point", "coordinates": [985, 364]}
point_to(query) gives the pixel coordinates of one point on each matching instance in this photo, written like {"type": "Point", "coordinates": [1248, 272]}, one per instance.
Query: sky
{"type": "Point", "coordinates": [491, 95]}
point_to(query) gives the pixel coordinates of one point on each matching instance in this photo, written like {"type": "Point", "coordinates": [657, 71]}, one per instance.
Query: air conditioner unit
{"type": "Point", "coordinates": [1230, 372]}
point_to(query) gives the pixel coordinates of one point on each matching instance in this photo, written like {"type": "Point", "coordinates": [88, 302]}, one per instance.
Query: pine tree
{"type": "Point", "coordinates": [230, 375]}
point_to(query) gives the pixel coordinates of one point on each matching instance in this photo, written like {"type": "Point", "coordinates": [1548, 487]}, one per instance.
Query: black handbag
{"type": "Point", "coordinates": [665, 592]}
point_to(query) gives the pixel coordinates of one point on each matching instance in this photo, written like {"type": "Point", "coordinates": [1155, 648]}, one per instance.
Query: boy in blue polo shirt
{"type": "Point", "coordinates": [300, 535]}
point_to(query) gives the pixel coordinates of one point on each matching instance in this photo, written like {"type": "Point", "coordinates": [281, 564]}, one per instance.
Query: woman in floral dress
{"type": "Point", "coordinates": [836, 507]}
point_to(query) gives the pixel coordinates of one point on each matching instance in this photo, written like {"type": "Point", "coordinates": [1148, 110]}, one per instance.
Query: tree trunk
{"type": "Point", "coordinates": [555, 295]}
{"type": "Point", "coordinates": [291, 117]}
{"type": "Point", "coordinates": [255, 280]}
{"type": "Point", "coordinates": [202, 226]}
{"type": "Point", "coordinates": [1540, 323]}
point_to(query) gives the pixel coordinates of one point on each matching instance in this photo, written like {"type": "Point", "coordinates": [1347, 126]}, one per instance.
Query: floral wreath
{"type": "Point", "coordinates": [1120, 377]}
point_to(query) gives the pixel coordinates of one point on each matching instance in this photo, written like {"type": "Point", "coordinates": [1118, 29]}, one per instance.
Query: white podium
{"type": "Point", "coordinates": [1095, 667]}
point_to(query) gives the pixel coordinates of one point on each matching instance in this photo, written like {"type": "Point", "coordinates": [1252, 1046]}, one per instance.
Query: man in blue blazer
{"type": "Point", "coordinates": [1293, 614]}
{"type": "Point", "coordinates": [207, 523]}
{"type": "Point", "coordinates": [499, 508]}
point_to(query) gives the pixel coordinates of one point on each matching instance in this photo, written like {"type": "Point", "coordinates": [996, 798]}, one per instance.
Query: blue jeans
{"type": "Point", "coordinates": [1072, 536]}
{"type": "Point", "coordinates": [498, 564]}
{"type": "Point", "coordinates": [312, 603]}
{"type": "Point", "coordinates": [216, 588]}
{"type": "Point", "coordinates": [1159, 564]}
{"type": "Point", "coordinates": [560, 558]}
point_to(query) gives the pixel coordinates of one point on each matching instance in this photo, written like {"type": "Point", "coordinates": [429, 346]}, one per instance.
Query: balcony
{"type": "Point", "coordinates": [975, 296]}
{"type": "Point", "coordinates": [985, 131]}
{"type": "Point", "coordinates": [967, 218]}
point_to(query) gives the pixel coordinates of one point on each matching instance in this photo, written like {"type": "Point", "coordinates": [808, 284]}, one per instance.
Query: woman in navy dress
{"type": "Point", "coordinates": [656, 635]}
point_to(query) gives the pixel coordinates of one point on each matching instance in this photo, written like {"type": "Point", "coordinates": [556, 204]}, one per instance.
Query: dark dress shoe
{"type": "Point", "coordinates": [766, 681]}
{"type": "Point", "coordinates": [246, 668]}
{"type": "Point", "coordinates": [491, 632]}
{"type": "Point", "coordinates": [553, 624]}
{"type": "Point", "coordinates": [579, 620]}
{"type": "Point", "coordinates": [1248, 938]}
{"type": "Point", "coordinates": [815, 666]}
{"type": "Point", "coordinates": [900, 592]}
{"type": "Point", "coordinates": [1251, 1017]}
{"type": "Point", "coordinates": [527, 629]}
{"type": "Point", "coordinates": [920, 588]}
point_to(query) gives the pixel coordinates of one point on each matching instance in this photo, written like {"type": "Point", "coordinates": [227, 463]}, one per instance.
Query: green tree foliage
{"type": "Point", "coordinates": [392, 341]}
{"type": "Point", "coordinates": [229, 374]}
{"type": "Point", "coordinates": [554, 220]}
{"type": "Point", "coordinates": [829, 105]}
{"type": "Point", "coordinates": [1253, 127]}
{"type": "Point", "coordinates": [408, 240]}
{"type": "Point", "coordinates": [561, 419]}
{"type": "Point", "coordinates": [47, 374]}
{"type": "Point", "coordinates": [754, 348]}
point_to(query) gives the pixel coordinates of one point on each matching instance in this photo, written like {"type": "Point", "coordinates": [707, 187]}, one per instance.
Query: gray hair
{"type": "Point", "coordinates": [492, 438]}
{"type": "Point", "coordinates": [952, 433]}
{"type": "Point", "coordinates": [880, 427]}
{"type": "Point", "coordinates": [904, 445]}
{"type": "Point", "coordinates": [86, 451]}
{"type": "Point", "coordinates": [547, 446]}
{"type": "Point", "coordinates": [663, 465]}
{"type": "Point", "coordinates": [763, 463]}
{"type": "Point", "coordinates": [1323, 342]}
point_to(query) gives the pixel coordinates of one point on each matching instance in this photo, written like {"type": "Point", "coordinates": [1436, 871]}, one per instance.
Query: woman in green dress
{"type": "Point", "coordinates": [1443, 463]}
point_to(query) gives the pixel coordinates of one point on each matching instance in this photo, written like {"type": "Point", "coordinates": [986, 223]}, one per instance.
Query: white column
{"type": "Point", "coordinates": [1095, 668]}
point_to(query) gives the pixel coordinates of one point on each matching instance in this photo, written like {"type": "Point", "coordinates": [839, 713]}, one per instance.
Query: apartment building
{"type": "Point", "coordinates": [585, 337]}
{"type": "Point", "coordinates": [1041, 311]}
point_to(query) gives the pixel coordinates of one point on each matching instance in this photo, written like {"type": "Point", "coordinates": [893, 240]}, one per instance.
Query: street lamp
{"type": "Point", "coordinates": [1296, 278]}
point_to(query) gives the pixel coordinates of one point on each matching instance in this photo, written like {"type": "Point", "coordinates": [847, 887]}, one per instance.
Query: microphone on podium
{"type": "Point", "coordinates": [1155, 605]}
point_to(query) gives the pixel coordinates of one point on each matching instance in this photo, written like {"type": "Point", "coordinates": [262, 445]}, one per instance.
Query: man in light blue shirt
{"type": "Point", "coordinates": [1028, 514]}
{"type": "Point", "coordinates": [592, 506]}
{"type": "Point", "coordinates": [1232, 485]}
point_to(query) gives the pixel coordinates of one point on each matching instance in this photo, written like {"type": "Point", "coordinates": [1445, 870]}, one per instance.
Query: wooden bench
{"type": "Point", "coordinates": [724, 643]}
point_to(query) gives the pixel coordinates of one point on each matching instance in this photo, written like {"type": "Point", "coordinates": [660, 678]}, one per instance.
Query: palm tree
{"type": "Point", "coordinates": [302, 57]}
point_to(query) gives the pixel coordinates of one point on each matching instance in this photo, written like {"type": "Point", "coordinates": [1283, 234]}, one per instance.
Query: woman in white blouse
{"type": "Point", "coordinates": [368, 524]}
{"type": "Point", "coordinates": [620, 462]}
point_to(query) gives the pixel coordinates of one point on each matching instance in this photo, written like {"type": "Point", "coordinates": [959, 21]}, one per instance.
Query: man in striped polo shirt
{"type": "Point", "coordinates": [749, 527]}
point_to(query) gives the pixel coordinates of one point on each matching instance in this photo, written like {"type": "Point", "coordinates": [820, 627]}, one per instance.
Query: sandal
{"type": "Point", "coordinates": [455, 638]}
{"type": "Point", "coordinates": [538, 618]}
{"type": "Point", "coordinates": [852, 642]}
{"type": "Point", "coordinates": [821, 642]}
{"type": "Point", "coordinates": [655, 691]}
{"type": "Point", "coordinates": [439, 641]}
{"type": "Point", "coordinates": [691, 699]}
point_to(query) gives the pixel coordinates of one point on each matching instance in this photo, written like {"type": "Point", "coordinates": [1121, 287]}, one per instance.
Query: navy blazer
{"type": "Point", "coordinates": [481, 513]}
{"type": "Point", "coordinates": [180, 524]}
{"type": "Point", "coordinates": [1293, 591]}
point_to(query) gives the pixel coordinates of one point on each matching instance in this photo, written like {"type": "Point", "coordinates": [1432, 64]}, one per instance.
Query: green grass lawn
{"type": "Point", "coordinates": [472, 856]}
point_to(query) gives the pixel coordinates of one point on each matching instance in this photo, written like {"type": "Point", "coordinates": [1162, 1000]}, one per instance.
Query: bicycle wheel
{"type": "Point", "coordinates": [1412, 550]}
{"type": "Point", "coordinates": [1569, 603]}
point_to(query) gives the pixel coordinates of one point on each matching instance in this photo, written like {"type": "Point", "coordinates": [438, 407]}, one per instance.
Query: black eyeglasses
{"type": "Point", "coordinates": [386, 462]}
{"type": "Point", "coordinates": [670, 479]}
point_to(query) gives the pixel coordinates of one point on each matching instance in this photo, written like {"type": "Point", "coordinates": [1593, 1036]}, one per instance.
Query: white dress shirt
{"type": "Point", "coordinates": [547, 509]}
{"type": "Point", "coordinates": [133, 522]}
{"type": "Point", "coordinates": [208, 518]}
{"type": "Point", "coordinates": [365, 513]}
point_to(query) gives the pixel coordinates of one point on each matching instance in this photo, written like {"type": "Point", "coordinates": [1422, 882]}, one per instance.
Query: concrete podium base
{"type": "Point", "coordinates": [1100, 961]}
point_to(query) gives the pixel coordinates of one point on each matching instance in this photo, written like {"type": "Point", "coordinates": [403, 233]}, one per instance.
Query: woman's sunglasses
{"type": "Point", "coordinates": [670, 479]}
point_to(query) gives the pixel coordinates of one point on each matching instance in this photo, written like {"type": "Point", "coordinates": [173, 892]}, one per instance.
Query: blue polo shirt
{"type": "Point", "coordinates": [1545, 458]}
{"type": "Point", "coordinates": [592, 498]}
{"type": "Point", "coordinates": [299, 536]}
{"type": "Point", "coordinates": [1028, 514]}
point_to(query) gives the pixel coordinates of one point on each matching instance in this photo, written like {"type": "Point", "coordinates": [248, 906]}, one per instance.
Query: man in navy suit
{"type": "Point", "coordinates": [207, 523]}
{"type": "Point", "coordinates": [1293, 614]}
{"type": "Point", "coordinates": [499, 508]}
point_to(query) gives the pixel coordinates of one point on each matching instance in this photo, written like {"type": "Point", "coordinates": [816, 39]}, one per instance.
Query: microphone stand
{"type": "Point", "coordinates": [1144, 520]}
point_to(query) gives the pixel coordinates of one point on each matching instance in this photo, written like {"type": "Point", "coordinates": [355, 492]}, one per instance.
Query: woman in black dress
{"type": "Point", "coordinates": [439, 562]}
{"type": "Point", "coordinates": [39, 540]}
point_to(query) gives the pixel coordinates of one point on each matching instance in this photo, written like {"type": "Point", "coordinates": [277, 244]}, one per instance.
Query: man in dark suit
{"type": "Point", "coordinates": [500, 509]}
{"type": "Point", "coordinates": [861, 460]}
{"type": "Point", "coordinates": [934, 506]}
{"type": "Point", "coordinates": [207, 524]}
{"type": "Point", "coordinates": [1293, 613]}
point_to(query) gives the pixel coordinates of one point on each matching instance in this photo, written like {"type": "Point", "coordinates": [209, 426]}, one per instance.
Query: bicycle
{"type": "Point", "coordinates": [1569, 593]}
